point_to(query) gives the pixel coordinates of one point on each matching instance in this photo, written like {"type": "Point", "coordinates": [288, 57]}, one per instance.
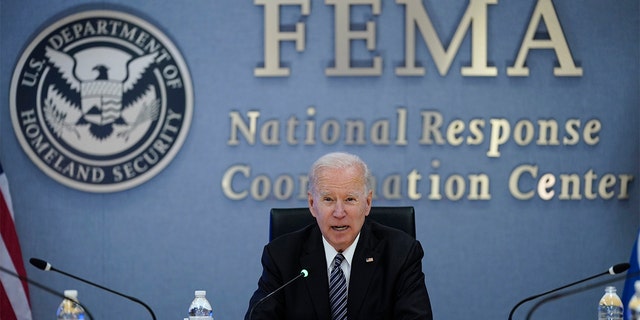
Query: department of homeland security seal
{"type": "Point", "coordinates": [101, 101]}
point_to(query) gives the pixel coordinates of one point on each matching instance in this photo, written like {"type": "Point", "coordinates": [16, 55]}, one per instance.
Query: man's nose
{"type": "Point", "coordinates": [338, 211]}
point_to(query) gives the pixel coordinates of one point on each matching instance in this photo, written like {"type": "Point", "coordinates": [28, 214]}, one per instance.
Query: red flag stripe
{"type": "Point", "coordinates": [10, 238]}
{"type": "Point", "coordinates": [14, 293]}
{"type": "Point", "coordinates": [6, 309]}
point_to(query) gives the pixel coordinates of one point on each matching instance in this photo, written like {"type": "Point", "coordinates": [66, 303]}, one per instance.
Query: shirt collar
{"type": "Point", "coordinates": [330, 252]}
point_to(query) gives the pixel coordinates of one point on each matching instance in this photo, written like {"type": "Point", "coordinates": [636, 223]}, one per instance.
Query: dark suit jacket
{"type": "Point", "coordinates": [386, 281]}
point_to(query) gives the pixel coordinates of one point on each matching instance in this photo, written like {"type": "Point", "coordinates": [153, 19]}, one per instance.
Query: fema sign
{"type": "Point", "coordinates": [101, 101]}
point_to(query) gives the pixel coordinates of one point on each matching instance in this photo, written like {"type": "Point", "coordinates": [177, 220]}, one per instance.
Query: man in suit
{"type": "Point", "coordinates": [381, 266]}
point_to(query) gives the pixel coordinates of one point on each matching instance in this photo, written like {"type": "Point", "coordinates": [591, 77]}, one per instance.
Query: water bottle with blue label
{"type": "Point", "coordinates": [200, 308]}
{"type": "Point", "coordinates": [69, 308]}
{"type": "Point", "coordinates": [610, 306]}
{"type": "Point", "coordinates": [633, 310]}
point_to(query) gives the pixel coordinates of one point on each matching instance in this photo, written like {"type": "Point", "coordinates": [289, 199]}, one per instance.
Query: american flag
{"type": "Point", "coordinates": [14, 293]}
{"type": "Point", "coordinates": [632, 277]}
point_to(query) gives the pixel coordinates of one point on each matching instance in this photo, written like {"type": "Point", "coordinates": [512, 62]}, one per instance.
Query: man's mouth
{"type": "Point", "coordinates": [340, 228]}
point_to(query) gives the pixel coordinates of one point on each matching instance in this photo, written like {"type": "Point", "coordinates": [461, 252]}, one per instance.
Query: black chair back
{"type": "Point", "coordinates": [285, 220]}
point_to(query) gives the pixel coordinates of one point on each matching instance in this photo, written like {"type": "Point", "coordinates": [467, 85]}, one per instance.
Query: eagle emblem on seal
{"type": "Point", "coordinates": [103, 101]}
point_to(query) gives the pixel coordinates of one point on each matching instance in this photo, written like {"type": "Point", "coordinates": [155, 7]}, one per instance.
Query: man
{"type": "Point", "coordinates": [381, 266]}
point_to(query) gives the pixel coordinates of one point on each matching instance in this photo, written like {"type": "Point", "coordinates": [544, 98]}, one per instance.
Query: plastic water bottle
{"type": "Point", "coordinates": [69, 309]}
{"type": "Point", "coordinates": [200, 308]}
{"type": "Point", "coordinates": [634, 303]}
{"type": "Point", "coordinates": [610, 307]}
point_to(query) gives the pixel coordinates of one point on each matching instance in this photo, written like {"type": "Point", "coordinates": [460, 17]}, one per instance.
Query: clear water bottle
{"type": "Point", "coordinates": [610, 307]}
{"type": "Point", "coordinates": [634, 303]}
{"type": "Point", "coordinates": [69, 308]}
{"type": "Point", "coordinates": [200, 308]}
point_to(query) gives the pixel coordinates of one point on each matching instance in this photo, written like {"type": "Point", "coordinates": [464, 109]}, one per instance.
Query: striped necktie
{"type": "Point", "coordinates": [338, 290]}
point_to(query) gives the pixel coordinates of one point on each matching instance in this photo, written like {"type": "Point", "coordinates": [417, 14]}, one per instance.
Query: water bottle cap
{"type": "Point", "coordinates": [201, 293]}
{"type": "Point", "coordinates": [71, 294]}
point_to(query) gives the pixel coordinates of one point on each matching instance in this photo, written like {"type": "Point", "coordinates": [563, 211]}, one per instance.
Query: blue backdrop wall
{"type": "Point", "coordinates": [506, 205]}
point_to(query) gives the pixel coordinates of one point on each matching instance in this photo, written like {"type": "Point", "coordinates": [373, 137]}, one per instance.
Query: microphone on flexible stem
{"type": "Point", "coordinates": [303, 273]}
{"type": "Point", "coordinates": [45, 288]}
{"type": "Point", "coordinates": [618, 268]}
{"type": "Point", "coordinates": [43, 265]}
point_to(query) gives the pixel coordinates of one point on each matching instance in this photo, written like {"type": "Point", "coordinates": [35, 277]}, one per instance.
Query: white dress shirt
{"type": "Point", "coordinates": [330, 255]}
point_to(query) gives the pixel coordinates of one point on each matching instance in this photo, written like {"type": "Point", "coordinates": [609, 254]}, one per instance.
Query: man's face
{"type": "Point", "coordinates": [339, 204]}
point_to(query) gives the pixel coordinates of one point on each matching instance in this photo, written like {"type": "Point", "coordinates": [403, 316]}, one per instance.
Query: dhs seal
{"type": "Point", "coordinates": [101, 101]}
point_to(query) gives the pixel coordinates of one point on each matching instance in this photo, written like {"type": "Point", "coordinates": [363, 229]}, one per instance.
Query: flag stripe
{"type": "Point", "coordinates": [14, 293]}
{"type": "Point", "coordinates": [632, 277]}
{"type": "Point", "coordinates": [5, 305]}
{"type": "Point", "coordinates": [9, 235]}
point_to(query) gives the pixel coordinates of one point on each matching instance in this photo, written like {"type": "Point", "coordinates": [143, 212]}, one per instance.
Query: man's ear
{"type": "Point", "coordinates": [310, 201]}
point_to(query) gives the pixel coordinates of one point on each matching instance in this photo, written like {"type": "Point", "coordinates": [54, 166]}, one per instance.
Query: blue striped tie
{"type": "Point", "coordinates": [338, 290]}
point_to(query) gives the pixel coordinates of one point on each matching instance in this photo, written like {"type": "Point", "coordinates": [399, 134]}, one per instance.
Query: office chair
{"type": "Point", "coordinates": [285, 220]}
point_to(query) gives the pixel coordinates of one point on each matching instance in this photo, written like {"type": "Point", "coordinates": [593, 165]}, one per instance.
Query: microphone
{"type": "Point", "coordinates": [45, 288]}
{"type": "Point", "coordinates": [616, 269]}
{"type": "Point", "coordinates": [43, 265]}
{"type": "Point", "coordinates": [303, 273]}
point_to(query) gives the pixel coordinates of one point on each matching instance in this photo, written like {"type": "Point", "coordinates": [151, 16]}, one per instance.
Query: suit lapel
{"type": "Point", "coordinates": [313, 259]}
{"type": "Point", "coordinates": [365, 261]}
